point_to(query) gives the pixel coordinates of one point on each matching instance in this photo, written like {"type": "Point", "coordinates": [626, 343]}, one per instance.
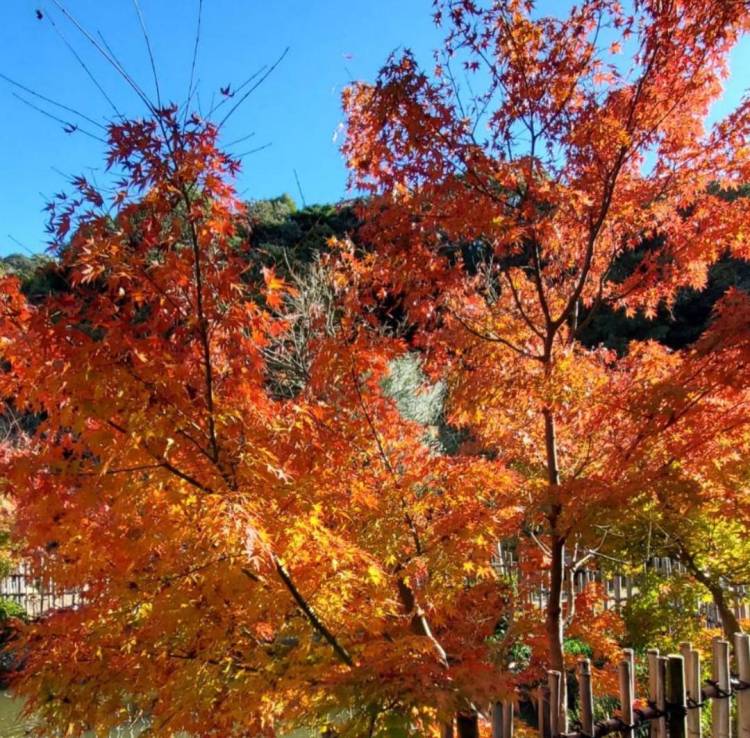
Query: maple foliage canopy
{"type": "Point", "coordinates": [549, 168]}
{"type": "Point", "coordinates": [249, 560]}
{"type": "Point", "coordinates": [245, 560]}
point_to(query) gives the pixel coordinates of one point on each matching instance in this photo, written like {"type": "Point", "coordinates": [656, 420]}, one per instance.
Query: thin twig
{"type": "Point", "coordinates": [239, 140]}
{"type": "Point", "coordinates": [225, 98]}
{"type": "Point", "coordinates": [195, 56]}
{"type": "Point", "coordinates": [252, 151]}
{"type": "Point", "coordinates": [254, 87]}
{"type": "Point", "coordinates": [68, 127]}
{"type": "Point", "coordinates": [18, 243]}
{"type": "Point", "coordinates": [149, 50]}
{"type": "Point", "coordinates": [51, 101]}
{"type": "Point", "coordinates": [299, 187]}
{"type": "Point", "coordinates": [83, 64]}
{"type": "Point", "coordinates": [492, 338]}
{"type": "Point", "coordinates": [105, 52]}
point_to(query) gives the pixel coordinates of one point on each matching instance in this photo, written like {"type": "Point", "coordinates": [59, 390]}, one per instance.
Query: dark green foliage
{"type": "Point", "coordinates": [691, 312]}
{"type": "Point", "coordinates": [39, 274]}
{"type": "Point", "coordinates": [286, 237]}
{"type": "Point", "coordinates": [20, 265]}
{"type": "Point", "coordinates": [676, 328]}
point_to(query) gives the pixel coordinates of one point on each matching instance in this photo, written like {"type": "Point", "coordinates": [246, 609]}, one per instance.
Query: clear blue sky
{"type": "Point", "coordinates": [297, 111]}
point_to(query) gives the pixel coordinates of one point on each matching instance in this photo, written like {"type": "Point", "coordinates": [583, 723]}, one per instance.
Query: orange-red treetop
{"type": "Point", "coordinates": [558, 146]}
{"type": "Point", "coordinates": [548, 167]}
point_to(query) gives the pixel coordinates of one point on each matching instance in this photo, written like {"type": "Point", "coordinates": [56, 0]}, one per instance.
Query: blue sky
{"type": "Point", "coordinates": [297, 111]}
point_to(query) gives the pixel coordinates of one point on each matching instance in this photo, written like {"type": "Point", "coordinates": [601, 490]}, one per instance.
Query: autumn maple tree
{"type": "Point", "coordinates": [548, 167]}
{"type": "Point", "coordinates": [249, 554]}
{"type": "Point", "coordinates": [260, 535]}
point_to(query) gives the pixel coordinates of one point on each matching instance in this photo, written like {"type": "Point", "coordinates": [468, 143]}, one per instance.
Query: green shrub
{"type": "Point", "coordinates": [11, 609]}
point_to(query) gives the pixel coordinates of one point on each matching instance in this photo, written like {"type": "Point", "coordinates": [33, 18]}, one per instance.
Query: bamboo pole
{"type": "Point", "coordinates": [676, 697]}
{"type": "Point", "coordinates": [742, 656]}
{"type": "Point", "coordinates": [720, 723]}
{"type": "Point", "coordinates": [508, 719]}
{"type": "Point", "coordinates": [693, 689]}
{"type": "Point", "coordinates": [627, 696]}
{"type": "Point", "coordinates": [554, 684]}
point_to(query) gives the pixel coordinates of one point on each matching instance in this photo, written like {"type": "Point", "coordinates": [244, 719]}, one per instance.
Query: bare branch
{"type": "Point", "coordinates": [254, 87]}
{"type": "Point", "coordinates": [51, 101]}
{"type": "Point", "coordinates": [149, 50]}
{"type": "Point", "coordinates": [84, 66]}
{"type": "Point", "coordinates": [310, 614]}
{"type": "Point", "coordinates": [106, 52]}
{"type": "Point", "coordinates": [195, 55]}
{"type": "Point", "coordinates": [67, 125]}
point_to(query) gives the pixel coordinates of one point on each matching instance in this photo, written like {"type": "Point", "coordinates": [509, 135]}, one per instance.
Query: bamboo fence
{"type": "Point", "coordinates": [679, 702]}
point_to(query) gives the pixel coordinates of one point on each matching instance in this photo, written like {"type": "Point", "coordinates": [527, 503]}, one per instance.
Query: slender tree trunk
{"type": "Point", "coordinates": [554, 621]}
{"type": "Point", "coordinates": [419, 624]}
{"type": "Point", "coordinates": [729, 623]}
{"type": "Point", "coordinates": [554, 606]}
{"type": "Point", "coordinates": [555, 624]}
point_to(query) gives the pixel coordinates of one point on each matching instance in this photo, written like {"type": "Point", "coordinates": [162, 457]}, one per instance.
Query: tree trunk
{"type": "Point", "coordinates": [554, 620]}
{"type": "Point", "coordinates": [555, 625]}
{"type": "Point", "coordinates": [419, 624]}
{"type": "Point", "coordinates": [468, 725]}
{"type": "Point", "coordinates": [554, 606]}
{"type": "Point", "coordinates": [729, 623]}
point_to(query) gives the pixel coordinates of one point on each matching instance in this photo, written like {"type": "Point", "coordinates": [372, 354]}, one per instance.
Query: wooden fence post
{"type": "Point", "coordinates": [693, 689]}
{"type": "Point", "coordinates": [676, 697]}
{"type": "Point", "coordinates": [661, 694]}
{"type": "Point", "coordinates": [626, 694]}
{"type": "Point", "coordinates": [467, 724]}
{"type": "Point", "coordinates": [502, 719]}
{"type": "Point", "coordinates": [742, 656]}
{"type": "Point", "coordinates": [720, 723]}
{"type": "Point", "coordinates": [586, 697]}
{"type": "Point", "coordinates": [629, 655]}
{"type": "Point", "coordinates": [497, 720]}
{"type": "Point", "coordinates": [554, 684]}
{"type": "Point", "coordinates": [657, 726]}
{"type": "Point", "coordinates": [544, 713]}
